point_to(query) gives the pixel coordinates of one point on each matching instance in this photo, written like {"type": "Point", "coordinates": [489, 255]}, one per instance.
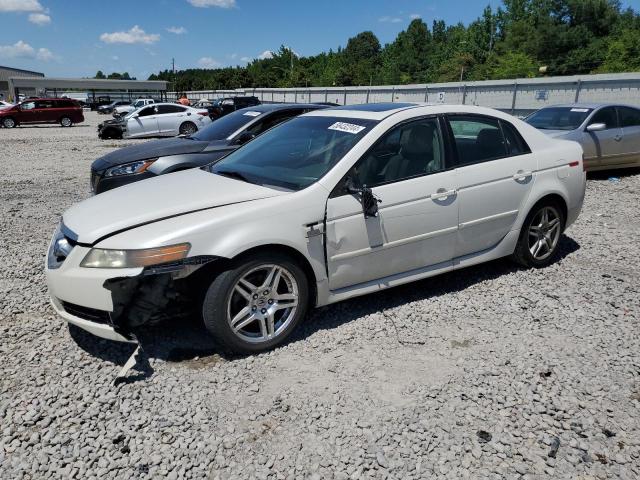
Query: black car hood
{"type": "Point", "coordinates": [152, 149]}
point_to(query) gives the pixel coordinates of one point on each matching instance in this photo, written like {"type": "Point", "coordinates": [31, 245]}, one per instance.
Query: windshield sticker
{"type": "Point", "coordinates": [347, 127]}
{"type": "Point", "coordinates": [251, 114]}
{"type": "Point", "coordinates": [581, 110]}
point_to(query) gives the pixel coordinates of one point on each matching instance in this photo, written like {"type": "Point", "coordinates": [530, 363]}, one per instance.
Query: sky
{"type": "Point", "coordinates": [76, 38]}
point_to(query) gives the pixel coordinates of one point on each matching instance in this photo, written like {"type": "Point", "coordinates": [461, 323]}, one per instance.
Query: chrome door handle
{"type": "Point", "coordinates": [617, 138]}
{"type": "Point", "coordinates": [442, 193]}
{"type": "Point", "coordinates": [521, 175]}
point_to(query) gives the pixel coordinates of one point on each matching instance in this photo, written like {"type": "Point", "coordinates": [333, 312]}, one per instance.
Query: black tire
{"type": "Point", "coordinates": [220, 293]}
{"type": "Point", "coordinates": [188, 128]}
{"type": "Point", "coordinates": [523, 254]}
{"type": "Point", "coordinates": [9, 122]}
{"type": "Point", "coordinates": [66, 122]}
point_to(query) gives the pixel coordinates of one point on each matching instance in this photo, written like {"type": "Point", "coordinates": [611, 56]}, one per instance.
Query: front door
{"type": "Point", "coordinates": [496, 171]}
{"type": "Point", "coordinates": [418, 215]}
{"type": "Point", "coordinates": [146, 123]}
{"type": "Point", "coordinates": [604, 147]}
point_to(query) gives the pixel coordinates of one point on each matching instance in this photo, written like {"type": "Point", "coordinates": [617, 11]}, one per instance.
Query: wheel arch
{"type": "Point", "coordinates": [556, 197]}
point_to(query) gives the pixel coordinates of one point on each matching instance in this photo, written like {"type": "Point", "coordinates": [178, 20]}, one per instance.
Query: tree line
{"type": "Point", "coordinates": [521, 38]}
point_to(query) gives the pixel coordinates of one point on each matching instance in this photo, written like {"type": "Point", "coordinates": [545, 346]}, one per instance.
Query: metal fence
{"type": "Point", "coordinates": [519, 96]}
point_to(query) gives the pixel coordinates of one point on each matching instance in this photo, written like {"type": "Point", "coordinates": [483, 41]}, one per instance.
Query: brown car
{"type": "Point", "coordinates": [64, 111]}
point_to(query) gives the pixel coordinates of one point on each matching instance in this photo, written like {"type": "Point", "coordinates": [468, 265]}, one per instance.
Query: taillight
{"type": "Point", "coordinates": [574, 164]}
{"type": "Point", "coordinates": [204, 114]}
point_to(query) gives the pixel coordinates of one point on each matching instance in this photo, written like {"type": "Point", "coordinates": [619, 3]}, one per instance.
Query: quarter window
{"type": "Point", "coordinates": [477, 139]}
{"type": "Point", "coordinates": [514, 141]}
{"type": "Point", "coordinates": [629, 117]}
{"type": "Point", "coordinates": [407, 151]}
{"type": "Point", "coordinates": [607, 116]}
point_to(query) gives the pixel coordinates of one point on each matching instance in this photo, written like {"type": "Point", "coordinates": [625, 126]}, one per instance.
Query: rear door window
{"type": "Point", "coordinates": [629, 117]}
{"type": "Point", "coordinates": [477, 139]}
{"type": "Point", "coordinates": [162, 109]}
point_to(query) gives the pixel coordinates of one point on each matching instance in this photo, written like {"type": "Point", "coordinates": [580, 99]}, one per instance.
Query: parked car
{"type": "Point", "coordinates": [96, 102]}
{"type": "Point", "coordinates": [156, 120]}
{"type": "Point", "coordinates": [108, 109]}
{"type": "Point", "coordinates": [125, 109]}
{"type": "Point", "coordinates": [4, 104]}
{"type": "Point", "coordinates": [64, 111]}
{"type": "Point", "coordinates": [609, 134]}
{"type": "Point", "coordinates": [225, 106]}
{"type": "Point", "coordinates": [330, 205]}
{"type": "Point", "coordinates": [138, 162]}
{"type": "Point", "coordinates": [209, 106]}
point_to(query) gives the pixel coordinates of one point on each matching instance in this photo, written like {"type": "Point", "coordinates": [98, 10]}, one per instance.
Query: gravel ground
{"type": "Point", "coordinates": [490, 372]}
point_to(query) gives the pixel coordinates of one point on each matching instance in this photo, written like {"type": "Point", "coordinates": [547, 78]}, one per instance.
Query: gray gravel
{"type": "Point", "coordinates": [491, 372]}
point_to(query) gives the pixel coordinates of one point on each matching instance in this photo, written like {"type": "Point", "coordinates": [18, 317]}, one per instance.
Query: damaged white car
{"type": "Point", "coordinates": [330, 205]}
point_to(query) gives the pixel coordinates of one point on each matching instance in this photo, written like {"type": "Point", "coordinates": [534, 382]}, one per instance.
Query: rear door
{"type": "Point", "coordinates": [170, 117]}
{"type": "Point", "coordinates": [417, 219]}
{"type": "Point", "coordinates": [630, 123]}
{"type": "Point", "coordinates": [144, 124]}
{"type": "Point", "coordinates": [604, 148]}
{"type": "Point", "coordinates": [496, 171]}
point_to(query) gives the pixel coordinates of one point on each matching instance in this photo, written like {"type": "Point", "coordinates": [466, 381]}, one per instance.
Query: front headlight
{"type": "Point", "coordinates": [129, 168]}
{"type": "Point", "coordinates": [107, 258]}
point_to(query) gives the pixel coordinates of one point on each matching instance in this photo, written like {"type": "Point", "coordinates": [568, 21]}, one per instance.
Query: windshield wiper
{"type": "Point", "coordinates": [234, 174]}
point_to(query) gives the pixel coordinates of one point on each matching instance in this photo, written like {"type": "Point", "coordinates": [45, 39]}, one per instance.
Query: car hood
{"type": "Point", "coordinates": [156, 199]}
{"type": "Point", "coordinates": [155, 148]}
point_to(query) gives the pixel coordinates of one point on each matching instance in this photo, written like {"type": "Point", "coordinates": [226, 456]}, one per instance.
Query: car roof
{"type": "Point", "coordinates": [273, 107]}
{"type": "Point", "coordinates": [589, 105]}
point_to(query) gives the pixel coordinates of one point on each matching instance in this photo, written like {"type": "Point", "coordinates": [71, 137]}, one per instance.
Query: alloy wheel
{"type": "Point", "coordinates": [544, 233]}
{"type": "Point", "coordinates": [9, 123]}
{"type": "Point", "coordinates": [263, 303]}
{"type": "Point", "coordinates": [66, 122]}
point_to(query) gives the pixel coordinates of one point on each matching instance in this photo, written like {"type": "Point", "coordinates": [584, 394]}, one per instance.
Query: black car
{"type": "Point", "coordinates": [168, 155]}
{"type": "Point", "coordinates": [107, 109]}
{"type": "Point", "coordinates": [225, 106]}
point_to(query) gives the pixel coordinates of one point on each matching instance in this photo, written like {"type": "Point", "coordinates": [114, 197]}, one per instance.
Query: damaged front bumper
{"type": "Point", "coordinates": [115, 303]}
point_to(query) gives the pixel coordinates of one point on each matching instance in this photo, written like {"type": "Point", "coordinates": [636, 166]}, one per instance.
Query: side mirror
{"type": "Point", "coordinates": [134, 115]}
{"type": "Point", "coordinates": [367, 198]}
{"type": "Point", "coordinates": [245, 137]}
{"type": "Point", "coordinates": [596, 127]}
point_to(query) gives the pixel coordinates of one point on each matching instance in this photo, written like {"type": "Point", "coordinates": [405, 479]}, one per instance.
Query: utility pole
{"type": "Point", "coordinates": [173, 74]}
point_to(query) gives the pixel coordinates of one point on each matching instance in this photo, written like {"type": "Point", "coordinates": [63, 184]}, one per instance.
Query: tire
{"type": "Point", "coordinates": [539, 238]}
{"type": "Point", "coordinates": [66, 122]}
{"type": "Point", "coordinates": [8, 122]}
{"type": "Point", "coordinates": [188, 128]}
{"type": "Point", "coordinates": [264, 313]}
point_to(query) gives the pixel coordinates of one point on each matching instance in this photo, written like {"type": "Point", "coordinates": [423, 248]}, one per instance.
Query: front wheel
{"type": "Point", "coordinates": [66, 122]}
{"type": "Point", "coordinates": [540, 234]}
{"type": "Point", "coordinates": [8, 122]}
{"type": "Point", "coordinates": [188, 128]}
{"type": "Point", "coordinates": [255, 305]}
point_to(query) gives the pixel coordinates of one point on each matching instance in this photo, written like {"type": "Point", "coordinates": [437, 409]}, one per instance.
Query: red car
{"type": "Point", "coordinates": [64, 111]}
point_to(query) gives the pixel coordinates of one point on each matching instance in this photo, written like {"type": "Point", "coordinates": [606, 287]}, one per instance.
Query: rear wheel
{"type": "Point", "coordinates": [256, 304]}
{"type": "Point", "coordinates": [540, 234]}
{"type": "Point", "coordinates": [188, 128]}
{"type": "Point", "coordinates": [8, 122]}
{"type": "Point", "coordinates": [66, 122]}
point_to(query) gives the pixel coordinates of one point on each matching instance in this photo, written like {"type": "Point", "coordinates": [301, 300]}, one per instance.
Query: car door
{"type": "Point", "coordinates": [630, 145]}
{"type": "Point", "coordinates": [418, 215]}
{"type": "Point", "coordinates": [496, 171]}
{"type": "Point", "coordinates": [28, 112]}
{"type": "Point", "coordinates": [604, 147]}
{"type": "Point", "coordinates": [145, 123]}
{"type": "Point", "coordinates": [170, 117]}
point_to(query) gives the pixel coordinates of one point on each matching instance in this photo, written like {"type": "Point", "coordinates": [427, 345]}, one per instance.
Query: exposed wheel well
{"type": "Point", "coordinates": [205, 275]}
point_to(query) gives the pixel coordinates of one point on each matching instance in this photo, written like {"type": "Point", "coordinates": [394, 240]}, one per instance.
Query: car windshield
{"type": "Point", "coordinates": [294, 154]}
{"type": "Point", "coordinates": [558, 118]}
{"type": "Point", "coordinates": [225, 126]}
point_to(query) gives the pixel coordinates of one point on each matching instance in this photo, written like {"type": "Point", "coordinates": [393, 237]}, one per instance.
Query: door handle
{"type": "Point", "coordinates": [521, 175]}
{"type": "Point", "coordinates": [617, 138]}
{"type": "Point", "coordinates": [442, 193]}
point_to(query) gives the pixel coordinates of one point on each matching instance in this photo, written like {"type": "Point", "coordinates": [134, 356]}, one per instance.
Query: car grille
{"type": "Point", "coordinates": [86, 313]}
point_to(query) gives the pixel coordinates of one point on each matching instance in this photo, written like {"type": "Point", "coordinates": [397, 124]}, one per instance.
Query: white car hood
{"type": "Point", "coordinates": [157, 199]}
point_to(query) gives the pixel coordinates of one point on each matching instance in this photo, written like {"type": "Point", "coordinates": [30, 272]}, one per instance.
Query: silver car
{"type": "Point", "coordinates": [609, 134]}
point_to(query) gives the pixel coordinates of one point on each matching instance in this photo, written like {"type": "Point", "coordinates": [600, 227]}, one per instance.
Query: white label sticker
{"type": "Point", "coordinates": [347, 127]}
{"type": "Point", "coordinates": [581, 110]}
{"type": "Point", "coordinates": [252, 114]}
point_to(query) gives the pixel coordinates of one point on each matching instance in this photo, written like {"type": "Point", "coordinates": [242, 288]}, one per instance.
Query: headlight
{"type": "Point", "coordinates": [129, 168]}
{"type": "Point", "coordinates": [107, 258]}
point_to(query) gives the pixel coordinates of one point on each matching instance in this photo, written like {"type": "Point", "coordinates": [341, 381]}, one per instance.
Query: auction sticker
{"type": "Point", "coordinates": [251, 114]}
{"type": "Point", "coordinates": [347, 127]}
{"type": "Point", "coordinates": [581, 110]}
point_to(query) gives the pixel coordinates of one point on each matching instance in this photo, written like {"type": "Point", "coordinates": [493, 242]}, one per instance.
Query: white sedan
{"type": "Point", "coordinates": [327, 206]}
{"type": "Point", "coordinates": [4, 104]}
{"type": "Point", "coordinates": [164, 120]}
